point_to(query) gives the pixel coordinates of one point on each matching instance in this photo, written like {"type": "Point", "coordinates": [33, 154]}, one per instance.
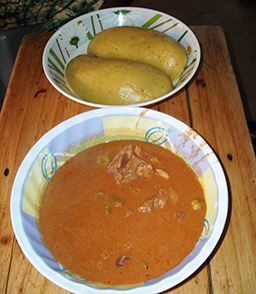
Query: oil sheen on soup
{"type": "Point", "coordinates": [122, 212]}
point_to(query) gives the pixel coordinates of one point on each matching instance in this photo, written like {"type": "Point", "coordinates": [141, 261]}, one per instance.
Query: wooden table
{"type": "Point", "coordinates": [211, 104]}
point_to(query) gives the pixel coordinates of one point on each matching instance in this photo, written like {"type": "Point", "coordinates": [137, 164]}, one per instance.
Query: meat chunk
{"type": "Point", "coordinates": [179, 215]}
{"type": "Point", "coordinates": [128, 166]}
{"type": "Point", "coordinates": [162, 173]}
{"type": "Point", "coordinates": [121, 260]}
{"type": "Point", "coordinates": [158, 201]}
{"type": "Point", "coordinates": [132, 162]}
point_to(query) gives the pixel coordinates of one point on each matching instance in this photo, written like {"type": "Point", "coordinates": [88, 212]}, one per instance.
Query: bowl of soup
{"type": "Point", "coordinates": [119, 199]}
{"type": "Point", "coordinates": [121, 56]}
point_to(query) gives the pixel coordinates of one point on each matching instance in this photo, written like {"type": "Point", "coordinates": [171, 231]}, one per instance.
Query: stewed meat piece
{"type": "Point", "coordinates": [127, 166]}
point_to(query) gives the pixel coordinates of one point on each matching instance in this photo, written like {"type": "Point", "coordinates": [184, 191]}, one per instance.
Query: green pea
{"type": "Point", "coordinates": [196, 205]}
{"type": "Point", "coordinates": [103, 160]}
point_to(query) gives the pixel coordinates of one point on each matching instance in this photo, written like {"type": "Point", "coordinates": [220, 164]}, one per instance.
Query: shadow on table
{"type": "Point", "coordinates": [9, 44]}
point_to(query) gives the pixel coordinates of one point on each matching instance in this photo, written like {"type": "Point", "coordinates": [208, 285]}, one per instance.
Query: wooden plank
{"type": "Point", "coordinates": [43, 107]}
{"type": "Point", "coordinates": [217, 114]}
{"type": "Point", "coordinates": [24, 278]}
{"type": "Point", "coordinates": [31, 107]}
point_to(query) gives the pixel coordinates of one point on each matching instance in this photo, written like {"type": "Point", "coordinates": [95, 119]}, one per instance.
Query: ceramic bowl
{"type": "Point", "coordinates": [97, 126]}
{"type": "Point", "coordinates": [73, 38]}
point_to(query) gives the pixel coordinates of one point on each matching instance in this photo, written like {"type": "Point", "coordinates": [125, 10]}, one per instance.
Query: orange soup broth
{"type": "Point", "coordinates": [89, 222]}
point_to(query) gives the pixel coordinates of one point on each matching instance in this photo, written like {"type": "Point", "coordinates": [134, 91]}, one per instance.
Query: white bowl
{"type": "Point", "coordinates": [73, 38]}
{"type": "Point", "coordinates": [96, 126]}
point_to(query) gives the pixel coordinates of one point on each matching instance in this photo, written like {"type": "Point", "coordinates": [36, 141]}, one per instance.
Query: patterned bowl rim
{"type": "Point", "coordinates": [56, 278]}
{"type": "Point", "coordinates": [146, 103]}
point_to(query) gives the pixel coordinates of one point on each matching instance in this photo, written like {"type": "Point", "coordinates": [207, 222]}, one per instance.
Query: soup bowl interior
{"type": "Point", "coordinates": [104, 125]}
{"type": "Point", "coordinates": [73, 38]}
